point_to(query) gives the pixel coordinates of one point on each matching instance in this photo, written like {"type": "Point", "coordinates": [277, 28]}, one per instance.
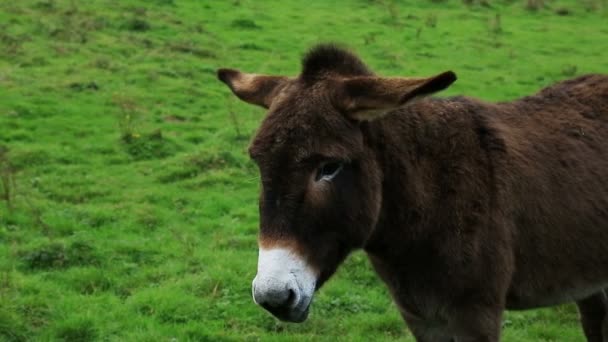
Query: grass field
{"type": "Point", "coordinates": [128, 206]}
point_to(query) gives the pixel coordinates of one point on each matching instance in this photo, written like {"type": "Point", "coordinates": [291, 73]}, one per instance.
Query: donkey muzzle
{"type": "Point", "coordinates": [284, 285]}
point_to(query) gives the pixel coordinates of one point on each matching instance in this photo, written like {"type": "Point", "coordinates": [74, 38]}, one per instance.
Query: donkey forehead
{"type": "Point", "coordinates": [294, 134]}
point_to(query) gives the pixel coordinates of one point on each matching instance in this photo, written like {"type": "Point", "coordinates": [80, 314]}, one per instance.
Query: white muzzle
{"type": "Point", "coordinates": [284, 285]}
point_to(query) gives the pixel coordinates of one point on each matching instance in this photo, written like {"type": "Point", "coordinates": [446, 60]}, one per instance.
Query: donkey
{"type": "Point", "coordinates": [465, 208]}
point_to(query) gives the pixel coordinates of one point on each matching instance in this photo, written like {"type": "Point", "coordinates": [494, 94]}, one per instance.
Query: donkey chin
{"type": "Point", "coordinates": [284, 285]}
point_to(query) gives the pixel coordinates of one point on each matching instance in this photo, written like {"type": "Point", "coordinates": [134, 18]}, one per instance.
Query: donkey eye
{"type": "Point", "coordinates": [328, 171]}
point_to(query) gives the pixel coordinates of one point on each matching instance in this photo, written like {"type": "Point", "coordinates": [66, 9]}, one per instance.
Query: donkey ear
{"type": "Point", "coordinates": [256, 89]}
{"type": "Point", "coordinates": [370, 97]}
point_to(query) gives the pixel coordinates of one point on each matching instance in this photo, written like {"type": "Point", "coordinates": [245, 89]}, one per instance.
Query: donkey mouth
{"type": "Point", "coordinates": [287, 302]}
{"type": "Point", "coordinates": [287, 314]}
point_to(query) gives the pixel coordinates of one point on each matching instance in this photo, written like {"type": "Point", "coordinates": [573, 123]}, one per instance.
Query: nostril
{"type": "Point", "coordinates": [291, 298]}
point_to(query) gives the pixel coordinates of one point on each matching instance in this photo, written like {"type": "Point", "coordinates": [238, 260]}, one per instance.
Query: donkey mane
{"type": "Point", "coordinates": [330, 59]}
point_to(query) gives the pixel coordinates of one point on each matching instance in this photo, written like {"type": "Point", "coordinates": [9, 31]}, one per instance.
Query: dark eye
{"type": "Point", "coordinates": [328, 171]}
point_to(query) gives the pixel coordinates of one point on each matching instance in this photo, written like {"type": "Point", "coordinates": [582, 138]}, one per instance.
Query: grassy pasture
{"type": "Point", "coordinates": [127, 204]}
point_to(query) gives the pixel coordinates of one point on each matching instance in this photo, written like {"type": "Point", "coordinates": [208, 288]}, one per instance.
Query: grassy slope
{"type": "Point", "coordinates": [152, 236]}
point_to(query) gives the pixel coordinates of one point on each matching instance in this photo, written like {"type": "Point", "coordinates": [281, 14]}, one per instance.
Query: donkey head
{"type": "Point", "coordinates": [321, 185]}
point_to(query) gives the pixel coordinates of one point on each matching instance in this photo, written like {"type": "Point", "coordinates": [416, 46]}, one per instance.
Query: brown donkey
{"type": "Point", "coordinates": [465, 208]}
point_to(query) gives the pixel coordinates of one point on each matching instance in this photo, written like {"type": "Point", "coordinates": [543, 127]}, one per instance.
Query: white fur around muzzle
{"type": "Point", "coordinates": [284, 280]}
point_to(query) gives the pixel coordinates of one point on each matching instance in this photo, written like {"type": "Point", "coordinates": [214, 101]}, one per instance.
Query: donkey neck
{"type": "Point", "coordinates": [419, 147]}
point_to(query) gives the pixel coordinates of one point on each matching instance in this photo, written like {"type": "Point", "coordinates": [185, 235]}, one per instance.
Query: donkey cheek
{"type": "Point", "coordinates": [319, 196]}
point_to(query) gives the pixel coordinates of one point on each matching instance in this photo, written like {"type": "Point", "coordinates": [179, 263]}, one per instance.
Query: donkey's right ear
{"type": "Point", "coordinates": [256, 89]}
{"type": "Point", "coordinates": [371, 97]}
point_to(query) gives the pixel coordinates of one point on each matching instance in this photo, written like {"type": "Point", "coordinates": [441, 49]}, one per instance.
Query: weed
{"type": "Point", "coordinates": [77, 330]}
{"type": "Point", "coordinates": [47, 5]}
{"type": "Point", "coordinates": [563, 11]}
{"type": "Point", "coordinates": [569, 70]}
{"type": "Point", "coordinates": [251, 46]}
{"type": "Point", "coordinates": [431, 20]}
{"type": "Point", "coordinates": [13, 44]}
{"type": "Point", "coordinates": [393, 11]}
{"type": "Point", "coordinates": [56, 255]}
{"type": "Point", "coordinates": [129, 117]}
{"type": "Point", "coordinates": [495, 24]}
{"type": "Point", "coordinates": [484, 3]}
{"type": "Point", "coordinates": [36, 213]}
{"type": "Point", "coordinates": [220, 160]}
{"type": "Point", "coordinates": [7, 178]}
{"type": "Point", "coordinates": [137, 25]}
{"type": "Point", "coordinates": [36, 311]}
{"type": "Point", "coordinates": [170, 306]}
{"type": "Point", "coordinates": [102, 63]}
{"type": "Point", "coordinates": [535, 5]}
{"type": "Point", "coordinates": [140, 146]}
{"type": "Point", "coordinates": [233, 118]}
{"type": "Point", "coordinates": [593, 5]}
{"type": "Point", "coordinates": [29, 158]}
{"type": "Point", "coordinates": [370, 38]}
{"type": "Point", "coordinates": [191, 48]}
{"type": "Point", "coordinates": [45, 257]}
{"type": "Point", "coordinates": [88, 280]}
{"type": "Point", "coordinates": [148, 218]}
{"type": "Point", "coordinates": [81, 86]}
{"type": "Point", "coordinates": [6, 280]}
{"type": "Point", "coordinates": [11, 327]}
{"type": "Point", "coordinates": [245, 24]}
{"type": "Point", "coordinates": [149, 146]}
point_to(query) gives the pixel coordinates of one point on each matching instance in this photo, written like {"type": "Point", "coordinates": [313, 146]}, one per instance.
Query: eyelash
{"type": "Point", "coordinates": [328, 171]}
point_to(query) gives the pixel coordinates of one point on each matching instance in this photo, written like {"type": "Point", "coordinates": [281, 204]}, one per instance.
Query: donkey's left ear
{"type": "Point", "coordinates": [370, 97]}
{"type": "Point", "coordinates": [256, 89]}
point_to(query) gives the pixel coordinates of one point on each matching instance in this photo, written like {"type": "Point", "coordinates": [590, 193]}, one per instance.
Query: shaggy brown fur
{"type": "Point", "coordinates": [465, 208]}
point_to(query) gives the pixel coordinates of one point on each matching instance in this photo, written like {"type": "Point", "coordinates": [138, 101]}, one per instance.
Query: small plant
{"type": "Point", "coordinates": [246, 24]}
{"type": "Point", "coordinates": [192, 48]}
{"type": "Point", "coordinates": [7, 178]}
{"type": "Point", "coordinates": [45, 257]}
{"type": "Point", "coordinates": [369, 38]}
{"type": "Point", "coordinates": [569, 70]}
{"type": "Point", "coordinates": [215, 161]}
{"type": "Point", "coordinates": [593, 5]}
{"type": "Point", "coordinates": [234, 119]}
{"type": "Point", "coordinates": [393, 12]}
{"type": "Point", "coordinates": [431, 20]}
{"type": "Point", "coordinates": [495, 24]}
{"type": "Point", "coordinates": [55, 255]}
{"type": "Point", "coordinates": [137, 25]}
{"type": "Point", "coordinates": [149, 146]}
{"type": "Point", "coordinates": [11, 327]}
{"type": "Point", "coordinates": [80, 329]}
{"type": "Point", "coordinates": [47, 5]}
{"type": "Point", "coordinates": [563, 11]}
{"type": "Point", "coordinates": [484, 3]}
{"type": "Point", "coordinates": [129, 117]}
{"type": "Point", "coordinates": [8, 188]}
{"type": "Point", "coordinates": [13, 45]}
{"type": "Point", "coordinates": [534, 5]}
{"type": "Point", "coordinates": [37, 216]}
{"type": "Point", "coordinates": [140, 146]}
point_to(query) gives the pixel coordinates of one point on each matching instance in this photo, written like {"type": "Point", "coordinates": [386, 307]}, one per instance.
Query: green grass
{"type": "Point", "coordinates": [132, 212]}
